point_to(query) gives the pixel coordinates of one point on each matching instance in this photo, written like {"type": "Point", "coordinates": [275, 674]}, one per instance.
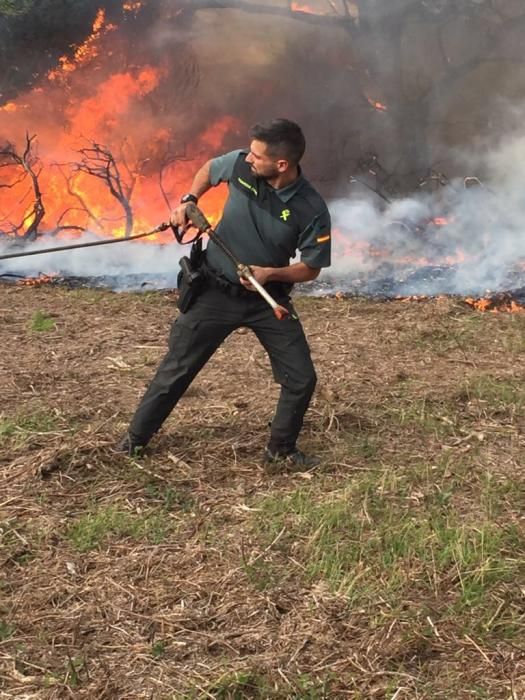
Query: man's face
{"type": "Point", "coordinates": [263, 165]}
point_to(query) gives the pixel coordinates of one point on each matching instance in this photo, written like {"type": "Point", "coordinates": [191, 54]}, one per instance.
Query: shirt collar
{"type": "Point", "coordinates": [286, 193]}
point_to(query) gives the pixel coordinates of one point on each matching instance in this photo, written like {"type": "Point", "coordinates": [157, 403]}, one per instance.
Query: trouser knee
{"type": "Point", "coordinates": [305, 383]}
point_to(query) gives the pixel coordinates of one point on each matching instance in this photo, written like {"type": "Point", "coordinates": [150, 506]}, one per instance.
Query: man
{"type": "Point", "coordinates": [271, 212]}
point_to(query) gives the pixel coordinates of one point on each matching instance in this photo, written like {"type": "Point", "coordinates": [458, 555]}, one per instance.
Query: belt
{"type": "Point", "coordinates": [276, 289]}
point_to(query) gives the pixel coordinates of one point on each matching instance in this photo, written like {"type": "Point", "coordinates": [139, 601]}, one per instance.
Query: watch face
{"type": "Point", "coordinates": [189, 198]}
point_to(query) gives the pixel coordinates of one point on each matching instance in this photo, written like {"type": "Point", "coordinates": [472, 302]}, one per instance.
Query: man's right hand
{"type": "Point", "coordinates": [178, 217]}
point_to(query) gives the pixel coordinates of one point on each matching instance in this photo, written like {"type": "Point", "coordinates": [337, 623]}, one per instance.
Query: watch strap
{"type": "Point", "coordinates": [189, 198]}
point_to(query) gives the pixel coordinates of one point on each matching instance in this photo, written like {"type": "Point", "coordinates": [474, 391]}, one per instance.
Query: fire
{"type": "Point", "coordinates": [132, 6]}
{"type": "Point", "coordinates": [87, 51]}
{"type": "Point", "coordinates": [98, 98]}
{"type": "Point", "coordinates": [377, 105]}
{"type": "Point", "coordinates": [297, 7]}
{"type": "Point", "coordinates": [37, 281]}
{"type": "Point", "coordinates": [502, 302]}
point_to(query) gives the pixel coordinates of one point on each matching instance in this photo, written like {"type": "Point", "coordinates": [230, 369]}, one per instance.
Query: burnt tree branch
{"type": "Point", "coordinates": [28, 162]}
{"type": "Point", "coordinates": [67, 227]}
{"type": "Point", "coordinates": [83, 204]}
{"type": "Point", "coordinates": [98, 161]}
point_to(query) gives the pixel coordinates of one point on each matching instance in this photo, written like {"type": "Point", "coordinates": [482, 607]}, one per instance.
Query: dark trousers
{"type": "Point", "coordinates": [194, 337]}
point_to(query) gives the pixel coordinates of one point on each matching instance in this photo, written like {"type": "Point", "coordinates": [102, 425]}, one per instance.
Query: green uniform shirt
{"type": "Point", "coordinates": [266, 227]}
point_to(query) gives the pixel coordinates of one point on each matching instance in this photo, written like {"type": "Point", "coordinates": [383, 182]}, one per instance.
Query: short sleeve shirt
{"type": "Point", "coordinates": [264, 226]}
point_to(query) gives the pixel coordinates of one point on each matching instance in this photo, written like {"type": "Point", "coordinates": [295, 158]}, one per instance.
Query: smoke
{"type": "Point", "coordinates": [121, 266]}
{"type": "Point", "coordinates": [465, 238]}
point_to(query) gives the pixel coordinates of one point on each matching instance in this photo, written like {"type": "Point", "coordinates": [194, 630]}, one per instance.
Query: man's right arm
{"type": "Point", "coordinates": [201, 184]}
{"type": "Point", "coordinates": [212, 173]}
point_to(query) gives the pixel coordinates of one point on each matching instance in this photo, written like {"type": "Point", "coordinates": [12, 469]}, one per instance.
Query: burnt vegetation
{"type": "Point", "coordinates": [21, 172]}
{"type": "Point", "coordinates": [22, 168]}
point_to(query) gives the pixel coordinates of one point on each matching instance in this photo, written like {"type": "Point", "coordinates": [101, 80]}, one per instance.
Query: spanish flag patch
{"type": "Point", "coordinates": [323, 239]}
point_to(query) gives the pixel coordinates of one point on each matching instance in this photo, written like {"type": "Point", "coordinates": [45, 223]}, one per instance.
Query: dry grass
{"type": "Point", "coordinates": [394, 571]}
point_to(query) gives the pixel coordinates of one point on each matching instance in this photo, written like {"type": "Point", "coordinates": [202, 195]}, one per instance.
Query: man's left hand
{"type": "Point", "coordinates": [261, 274]}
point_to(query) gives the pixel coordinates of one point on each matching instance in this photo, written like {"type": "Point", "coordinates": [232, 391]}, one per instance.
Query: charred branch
{"type": "Point", "coordinates": [28, 163]}
{"type": "Point", "coordinates": [83, 204]}
{"type": "Point", "coordinates": [98, 161]}
{"type": "Point", "coordinates": [67, 227]}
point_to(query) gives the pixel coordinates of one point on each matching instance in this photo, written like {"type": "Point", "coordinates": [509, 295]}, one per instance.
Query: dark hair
{"type": "Point", "coordinates": [283, 138]}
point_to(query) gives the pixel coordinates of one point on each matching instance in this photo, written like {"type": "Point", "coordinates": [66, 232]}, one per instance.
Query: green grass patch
{"type": "Point", "coordinates": [499, 495]}
{"type": "Point", "coordinates": [24, 423]}
{"type": "Point", "coordinates": [7, 428]}
{"type": "Point", "coordinates": [448, 337]}
{"type": "Point", "coordinates": [103, 524]}
{"type": "Point", "coordinates": [87, 294]}
{"type": "Point", "coordinates": [158, 649]}
{"type": "Point", "coordinates": [42, 322]}
{"type": "Point", "coordinates": [75, 667]}
{"type": "Point", "coordinates": [6, 630]}
{"type": "Point", "coordinates": [261, 574]}
{"type": "Point", "coordinates": [16, 541]}
{"type": "Point", "coordinates": [369, 540]}
{"type": "Point", "coordinates": [153, 298]}
{"type": "Point", "coordinates": [510, 335]}
{"type": "Point", "coordinates": [362, 447]}
{"type": "Point", "coordinates": [441, 478]}
{"type": "Point", "coordinates": [236, 685]}
{"type": "Point", "coordinates": [15, 7]}
{"type": "Point", "coordinates": [496, 393]}
{"type": "Point", "coordinates": [239, 685]}
{"type": "Point", "coordinates": [169, 498]}
{"type": "Point", "coordinates": [428, 415]}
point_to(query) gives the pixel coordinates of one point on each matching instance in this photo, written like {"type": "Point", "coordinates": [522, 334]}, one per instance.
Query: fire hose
{"type": "Point", "coordinates": [199, 221]}
{"type": "Point", "coordinates": [158, 229]}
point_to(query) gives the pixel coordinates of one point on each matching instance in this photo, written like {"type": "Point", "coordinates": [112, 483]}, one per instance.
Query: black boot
{"type": "Point", "coordinates": [292, 461]}
{"type": "Point", "coordinates": [130, 446]}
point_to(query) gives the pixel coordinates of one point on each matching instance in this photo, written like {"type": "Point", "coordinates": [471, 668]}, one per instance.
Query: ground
{"type": "Point", "coordinates": [394, 570]}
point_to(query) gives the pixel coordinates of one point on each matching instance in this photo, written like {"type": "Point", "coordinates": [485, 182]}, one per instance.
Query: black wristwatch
{"type": "Point", "coordinates": [189, 198]}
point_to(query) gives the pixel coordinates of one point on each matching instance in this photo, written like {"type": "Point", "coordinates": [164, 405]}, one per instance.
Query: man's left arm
{"type": "Point", "coordinates": [314, 245]}
{"type": "Point", "coordinates": [291, 274]}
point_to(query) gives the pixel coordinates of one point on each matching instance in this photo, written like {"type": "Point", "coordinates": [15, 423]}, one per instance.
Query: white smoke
{"type": "Point", "coordinates": [396, 244]}
{"type": "Point", "coordinates": [123, 265]}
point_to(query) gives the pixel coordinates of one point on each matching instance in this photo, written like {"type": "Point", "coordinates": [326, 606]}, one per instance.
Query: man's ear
{"type": "Point", "coordinates": [282, 165]}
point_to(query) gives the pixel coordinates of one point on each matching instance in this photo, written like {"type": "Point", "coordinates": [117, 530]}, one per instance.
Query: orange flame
{"type": "Point", "coordinates": [86, 52]}
{"type": "Point", "coordinates": [132, 6]}
{"type": "Point", "coordinates": [440, 221]}
{"type": "Point", "coordinates": [114, 110]}
{"type": "Point", "coordinates": [500, 303]}
{"type": "Point", "coordinates": [297, 7]}
{"type": "Point", "coordinates": [37, 281]}
{"type": "Point", "coordinates": [9, 107]}
{"type": "Point", "coordinates": [377, 105]}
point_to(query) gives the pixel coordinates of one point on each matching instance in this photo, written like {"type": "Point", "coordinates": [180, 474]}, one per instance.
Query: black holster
{"type": "Point", "coordinates": [190, 280]}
